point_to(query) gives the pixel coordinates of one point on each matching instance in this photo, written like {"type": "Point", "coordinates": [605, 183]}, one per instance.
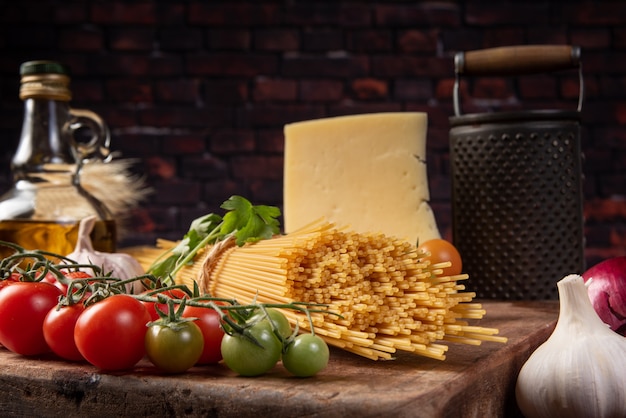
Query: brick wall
{"type": "Point", "coordinates": [200, 91]}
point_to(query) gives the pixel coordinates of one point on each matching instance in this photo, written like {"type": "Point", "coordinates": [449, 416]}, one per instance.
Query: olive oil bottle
{"type": "Point", "coordinates": [47, 202]}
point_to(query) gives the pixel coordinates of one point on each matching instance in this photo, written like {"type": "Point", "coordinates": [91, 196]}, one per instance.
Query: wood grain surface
{"type": "Point", "coordinates": [474, 381]}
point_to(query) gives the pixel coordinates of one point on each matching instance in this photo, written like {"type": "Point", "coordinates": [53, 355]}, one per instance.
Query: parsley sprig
{"type": "Point", "coordinates": [245, 221]}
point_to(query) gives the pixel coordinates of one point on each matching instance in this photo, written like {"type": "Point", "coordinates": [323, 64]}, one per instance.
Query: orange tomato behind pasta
{"type": "Point", "coordinates": [441, 250]}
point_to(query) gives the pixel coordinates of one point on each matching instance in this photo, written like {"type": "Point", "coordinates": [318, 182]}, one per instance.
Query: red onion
{"type": "Point", "coordinates": [607, 292]}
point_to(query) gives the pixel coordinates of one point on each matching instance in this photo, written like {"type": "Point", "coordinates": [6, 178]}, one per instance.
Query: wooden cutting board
{"type": "Point", "coordinates": [474, 381]}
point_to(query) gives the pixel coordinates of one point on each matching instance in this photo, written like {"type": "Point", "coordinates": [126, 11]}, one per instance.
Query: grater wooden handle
{"type": "Point", "coordinates": [523, 59]}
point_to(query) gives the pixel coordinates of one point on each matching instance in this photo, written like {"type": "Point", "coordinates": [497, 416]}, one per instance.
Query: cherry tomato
{"type": "Point", "coordinates": [13, 278]}
{"type": "Point", "coordinates": [244, 357]}
{"type": "Point", "coordinates": [280, 321]}
{"type": "Point", "coordinates": [151, 306]}
{"type": "Point", "coordinates": [175, 348]}
{"type": "Point", "coordinates": [306, 356]}
{"type": "Point", "coordinates": [110, 333]}
{"type": "Point", "coordinates": [209, 323]}
{"type": "Point", "coordinates": [441, 250]}
{"type": "Point", "coordinates": [23, 308]}
{"type": "Point", "coordinates": [71, 275]}
{"type": "Point", "coordinates": [58, 330]}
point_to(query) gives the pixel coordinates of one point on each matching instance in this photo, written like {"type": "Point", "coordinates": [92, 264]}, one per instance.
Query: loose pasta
{"type": "Point", "coordinates": [386, 295]}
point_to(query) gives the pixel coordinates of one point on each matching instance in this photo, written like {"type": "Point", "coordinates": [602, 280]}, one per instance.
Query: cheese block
{"type": "Point", "coordinates": [366, 171]}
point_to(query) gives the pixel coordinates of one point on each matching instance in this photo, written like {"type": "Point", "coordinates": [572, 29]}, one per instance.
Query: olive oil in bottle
{"type": "Point", "coordinates": [47, 202]}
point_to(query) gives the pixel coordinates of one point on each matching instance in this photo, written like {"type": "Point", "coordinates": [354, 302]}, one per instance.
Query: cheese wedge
{"type": "Point", "coordinates": [366, 171]}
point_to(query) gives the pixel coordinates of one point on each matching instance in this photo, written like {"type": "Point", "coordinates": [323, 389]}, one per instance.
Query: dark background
{"type": "Point", "coordinates": [200, 90]}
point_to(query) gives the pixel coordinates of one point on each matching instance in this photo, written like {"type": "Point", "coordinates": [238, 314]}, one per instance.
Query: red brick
{"type": "Point", "coordinates": [370, 88]}
{"type": "Point", "coordinates": [445, 88]}
{"type": "Point", "coordinates": [398, 66]}
{"type": "Point", "coordinates": [71, 13]}
{"type": "Point", "coordinates": [177, 192]}
{"type": "Point", "coordinates": [166, 65]}
{"type": "Point", "coordinates": [570, 88]}
{"type": "Point", "coordinates": [129, 90]}
{"type": "Point", "coordinates": [132, 39]}
{"type": "Point", "coordinates": [548, 35]}
{"type": "Point", "coordinates": [609, 209]}
{"type": "Point", "coordinates": [413, 40]}
{"type": "Point", "coordinates": [178, 90]}
{"type": "Point", "coordinates": [619, 37]}
{"type": "Point", "coordinates": [233, 14]}
{"type": "Point", "coordinates": [165, 219]}
{"type": "Point", "coordinates": [229, 39]}
{"type": "Point", "coordinates": [225, 91]}
{"type": "Point", "coordinates": [413, 89]}
{"type": "Point", "coordinates": [40, 37]}
{"type": "Point", "coordinates": [116, 12]}
{"type": "Point", "coordinates": [266, 192]}
{"type": "Point", "coordinates": [86, 91]}
{"type": "Point", "coordinates": [276, 39]}
{"type": "Point", "coordinates": [322, 39]}
{"type": "Point", "coordinates": [363, 107]}
{"type": "Point", "coordinates": [160, 167]}
{"type": "Point", "coordinates": [492, 88]}
{"type": "Point", "coordinates": [488, 13]}
{"type": "Point", "coordinates": [171, 13]}
{"type": "Point", "coordinates": [270, 115]}
{"type": "Point", "coordinates": [326, 66]}
{"type": "Point", "coordinates": [370, 40]}
{"type": "Point", "coordinates": [232, 141]}
{"type": "Point", "coordinates": [122, 65]}
{"type": "Point", "coordinates": [463, 39]}
{"type": "Point", "coordinates": [204, 166]}
{"type": "Point", "coordinates": [257, 167]}
{"type": "Point", "coordinates": [218, 191]}
{"type": "Point", "coordinates": [503, 37]}
{"type": "Point", "coordinates": [266, 89]}
{"type": "Point", "coordinates": [231, 64]}
{"type": "Point", "coordinates": [591, 38]}
{"type": "Point", "coordinates": [328, 14]}
{"type": "Point", "coordinates": [271, 140]}
{"type": "Point", "coordinates": [592, 13]}
{"type": "Point", "coordinates": [537, 87]}
{"type": "Point", "coordinates": [427, 13]}
{"type": "Point", "coordinates": [185, 117]}
{"type": "Point", "coordinates": [320, 90]}
{"type": "Point", "coordinates": [183, 144]}
{"type": "Point", "coordinates": [180, 38]}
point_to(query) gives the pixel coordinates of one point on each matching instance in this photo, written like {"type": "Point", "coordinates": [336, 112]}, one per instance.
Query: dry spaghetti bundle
{"type": "Point", "coordinates": [388, 297]}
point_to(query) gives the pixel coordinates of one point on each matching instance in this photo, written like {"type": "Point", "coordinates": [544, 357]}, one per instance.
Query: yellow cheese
{"type": "Point", "coordinates": [365, 171]}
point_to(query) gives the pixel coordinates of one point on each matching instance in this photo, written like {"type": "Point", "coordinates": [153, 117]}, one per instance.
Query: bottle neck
{"type": "Point", "coordinates": [45, 144]}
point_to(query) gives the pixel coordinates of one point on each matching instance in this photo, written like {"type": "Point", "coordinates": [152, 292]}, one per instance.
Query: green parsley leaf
{"type": "Point", "coordinates": [248, 223]}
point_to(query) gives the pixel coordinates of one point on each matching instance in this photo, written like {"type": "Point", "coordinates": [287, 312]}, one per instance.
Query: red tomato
{"type": "Point", "coordinates": [441, 250]}
{"type": "Point", "coordinates": [52, 279]}
{"type": "Point", "coordinates": [13, 278]}
{"type": "Point", "coordinates": [172, 293]}
{"type": "Point", "coordinates": [58, 330]}
{"type": "Point", "coordinates": [23, 308]}
{"type": "Point", "coordinates": [110, 333]}
{"type": "Point", "coordinates": [209, 323]}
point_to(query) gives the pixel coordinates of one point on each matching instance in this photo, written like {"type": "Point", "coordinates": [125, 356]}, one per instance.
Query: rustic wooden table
{"type": "Point", "coordinates": [474, 381]}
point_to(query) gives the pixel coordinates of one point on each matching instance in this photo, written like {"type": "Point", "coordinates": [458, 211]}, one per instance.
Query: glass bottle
{"type": "Point", "coordinates": [46, 203]}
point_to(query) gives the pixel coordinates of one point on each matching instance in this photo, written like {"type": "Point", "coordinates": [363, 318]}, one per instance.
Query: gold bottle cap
{"type": "Point", "coordinates": [44, 80]}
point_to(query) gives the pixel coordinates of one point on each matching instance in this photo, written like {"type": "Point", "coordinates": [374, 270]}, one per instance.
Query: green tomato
{"type": "Point", "coordinates": [306, 355]}
{"type": "Point", "coordinates": [174, 349]}
{"type": "Point", "coordinates": [246, 358]}
{"type": "Point", "coordinates": [280, 321]}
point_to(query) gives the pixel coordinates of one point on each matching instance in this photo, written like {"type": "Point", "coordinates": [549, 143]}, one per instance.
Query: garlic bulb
{"type": "Point", "coordinates": [120, 265]}
{"type": "Point", "coordinates": [580, 371]}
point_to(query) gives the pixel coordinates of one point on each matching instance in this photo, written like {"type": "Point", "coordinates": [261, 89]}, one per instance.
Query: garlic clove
{"type": "Point", "coordinates": [119, 265]}
{"type": "Point", "coordinates": [579, 370]}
